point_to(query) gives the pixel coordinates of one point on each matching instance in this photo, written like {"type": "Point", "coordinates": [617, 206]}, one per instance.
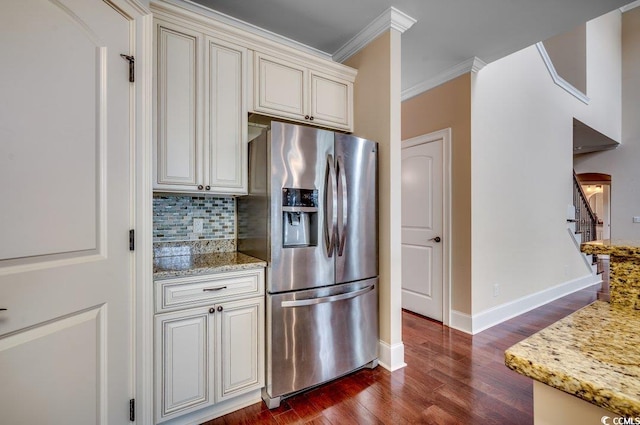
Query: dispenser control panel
{"type": "Point", "coordinates": [299, 197]}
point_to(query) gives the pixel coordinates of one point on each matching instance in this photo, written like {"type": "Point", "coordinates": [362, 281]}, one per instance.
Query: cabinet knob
{"type": "Point", "coordinates": [311, 118]}
{"type": "Point", "coordinates": [207, 187]}
{"type": "Point", "coordinates": [212, 310]}
{"type": "Point", "coordinates": [306, 117]}
{"type": "Point", "coordinates": [219, 308]}
{"type": "Point", "coordinates": [200, 187]}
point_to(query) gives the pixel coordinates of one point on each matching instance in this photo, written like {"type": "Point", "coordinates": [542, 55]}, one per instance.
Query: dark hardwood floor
{"type": "Point", "coordinates": [450, 378]}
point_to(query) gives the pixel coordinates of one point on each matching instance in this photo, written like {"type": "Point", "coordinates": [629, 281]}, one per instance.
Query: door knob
{"type": "Point", "coordinates": [436, 239]}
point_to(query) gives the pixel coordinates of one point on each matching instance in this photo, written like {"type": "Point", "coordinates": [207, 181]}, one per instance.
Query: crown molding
{"type": "Point", "coordinates": [244, 26]}
{"type": "Point", "coordinates": [630, 6]}
{"type": "Point", "coordinates": [473, 64]}
{"type": "Point", "coordinates": [391, 18]}
{"type": "Point", "coordinates": [561, 82]}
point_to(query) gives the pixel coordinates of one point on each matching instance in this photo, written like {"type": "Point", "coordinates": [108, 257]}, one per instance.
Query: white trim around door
{"type": "Point", "coordinates": [142, 214]}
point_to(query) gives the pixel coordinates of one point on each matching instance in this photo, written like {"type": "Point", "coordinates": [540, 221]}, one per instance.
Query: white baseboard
{"type": "Point", "coordinates": [391, 357]}
{"type": "Point", "coordinates": [461, 321]}
{"type": "Point", "coordinates": [501, 313]}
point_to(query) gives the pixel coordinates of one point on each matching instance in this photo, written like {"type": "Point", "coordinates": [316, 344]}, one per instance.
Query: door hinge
{"type": "Point", "coordinates": [132, 66]}
{"type": "Point", "coordinates": [132, 240]}
{"type": "Point", "coordinates": [132, 410]}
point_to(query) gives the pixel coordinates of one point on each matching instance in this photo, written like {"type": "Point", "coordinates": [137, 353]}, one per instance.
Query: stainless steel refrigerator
{"type": "Point", "coordinates": [311, 213]}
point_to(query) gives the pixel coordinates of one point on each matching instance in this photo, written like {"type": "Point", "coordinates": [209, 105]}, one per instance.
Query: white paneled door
{"type": "Point", "coordinates": [65, 213]}
{"type": "Point", "coordinates": [422, 228]}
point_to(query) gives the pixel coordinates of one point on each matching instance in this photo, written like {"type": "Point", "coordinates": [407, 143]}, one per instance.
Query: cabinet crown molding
{"type": "Point", "coordinates": [249, 36]}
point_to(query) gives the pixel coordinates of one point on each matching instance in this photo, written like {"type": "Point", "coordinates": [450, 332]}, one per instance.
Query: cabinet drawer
{"type": "Point", "coordinates": [196, 291]}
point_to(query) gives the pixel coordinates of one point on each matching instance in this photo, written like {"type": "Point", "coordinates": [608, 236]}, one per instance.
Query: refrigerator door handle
{"type": "Point", "coordinates": [330, 231]}
{"type": "Point", "coordinates": [329, 299]}
{"type": "Point", "coordinates": [345, 208]}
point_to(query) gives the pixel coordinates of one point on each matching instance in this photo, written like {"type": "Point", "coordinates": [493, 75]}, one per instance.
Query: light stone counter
{"type": "Point", "coordinates": [199, 257]}
{"type": "Point", "coordinates": [624, 269]}
{"type": "Point", "coordinates": [198, 264]}
{"type": "Point", "coordinates": [593, 354]}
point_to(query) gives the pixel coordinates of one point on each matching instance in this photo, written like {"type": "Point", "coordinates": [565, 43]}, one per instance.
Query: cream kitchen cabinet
{"type": "Point", "coordinates": [208, 355]}
{"type": "Point", "coordinates": [201, 112]}
{"type": "Point", "coordinates": [240, 354]}
{"type": "Point", "coordinates": [184, 357]}
{"type": "Point", "coordinates": [286, 89]}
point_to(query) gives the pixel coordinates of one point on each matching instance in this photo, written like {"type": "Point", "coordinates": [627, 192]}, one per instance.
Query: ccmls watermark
{"type": "Point", "coordinates": [606, 420]}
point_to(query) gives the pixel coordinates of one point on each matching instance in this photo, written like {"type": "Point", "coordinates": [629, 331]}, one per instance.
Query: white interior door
{"type": "Point", "coordinates": [65, 212]}
{"type": "Point", "coordinates": [422, 228]}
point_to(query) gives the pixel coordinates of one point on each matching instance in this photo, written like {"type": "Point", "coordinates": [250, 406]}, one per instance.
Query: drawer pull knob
{"type": "Point", "coordinates": [219, 308]}
{"type": "Point", "coordinates": [200, 187]}
{"type": "Point", "coordinates": [219, 288]}
{"type": "Point", "coordinates": [212, 310]}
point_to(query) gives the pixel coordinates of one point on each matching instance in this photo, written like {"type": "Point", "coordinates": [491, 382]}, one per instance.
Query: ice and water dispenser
{"type": "Point", "coordinates": [299, 217]}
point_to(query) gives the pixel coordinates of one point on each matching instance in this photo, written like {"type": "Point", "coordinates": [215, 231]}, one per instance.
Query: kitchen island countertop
{"type": "Point", "coordinates": [624, 269]}
{"type": "Point", "coordinates": [593, 354]}
{"type": "Point", "coordinates": [618, 247]}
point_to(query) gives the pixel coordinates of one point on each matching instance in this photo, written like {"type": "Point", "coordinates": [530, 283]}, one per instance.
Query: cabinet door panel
{"type": "Point", "coordinates": [177, 121]}
{"type": "Point", "coordinates": [280, 87]}
{"type": "Point", "coordinates": [183, 362]}
{"type": "Point", "coordinates": [331, 101]}
{"type": "Point", "coordinates": [227, 117]}
{"type": "Point", "coordinates": [241, 347]}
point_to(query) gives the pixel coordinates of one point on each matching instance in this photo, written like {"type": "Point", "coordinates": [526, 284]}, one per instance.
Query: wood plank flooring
{"type": "Point", "coordinates": [450, 378]}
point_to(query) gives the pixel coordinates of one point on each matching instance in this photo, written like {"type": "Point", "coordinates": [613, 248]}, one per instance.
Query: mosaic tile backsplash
{"type": "Point", "coordinates": [173, 217]}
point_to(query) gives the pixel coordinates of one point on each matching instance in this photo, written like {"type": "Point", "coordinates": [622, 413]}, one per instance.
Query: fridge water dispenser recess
{"type": "Point", "coordinates": [299, 217]}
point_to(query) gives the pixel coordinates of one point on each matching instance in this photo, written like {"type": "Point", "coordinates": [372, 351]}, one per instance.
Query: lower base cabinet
{"type": "Point", "coordinates": [240, 348]}
{"type": "Point", "coordinates": [208, 355]}
{"type": "Point", "coordinates": [184, 342]}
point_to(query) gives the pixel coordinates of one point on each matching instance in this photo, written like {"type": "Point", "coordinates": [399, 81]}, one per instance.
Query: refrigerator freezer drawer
{"type": "Point", "coordinates": [318, 335]}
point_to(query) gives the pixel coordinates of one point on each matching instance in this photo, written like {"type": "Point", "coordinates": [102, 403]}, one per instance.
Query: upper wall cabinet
{"type": "Point", "coordinates": [209, 75]}
{"type": "Point", "coordinates": [201, 116]}
{"type": "Point", "coordinates": [286, 89]}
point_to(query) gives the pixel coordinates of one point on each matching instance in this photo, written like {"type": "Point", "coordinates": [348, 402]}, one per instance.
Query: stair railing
{"type": "Point", "coordinates": [586, 219]}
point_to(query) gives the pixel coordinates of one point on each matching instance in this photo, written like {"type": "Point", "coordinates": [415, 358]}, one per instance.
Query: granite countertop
{"type": "Point", "coordinates": [616, 247]}
{"type": "Point", "coordinates": [624, 269]}
{"type": "Point", "coordinates": [593, 354]}
{"type": "Point", "coordinates": [197, 258]}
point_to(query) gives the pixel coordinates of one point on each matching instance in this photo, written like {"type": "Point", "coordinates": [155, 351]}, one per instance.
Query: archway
{"type": "Point", "coordinates": [597, 188]}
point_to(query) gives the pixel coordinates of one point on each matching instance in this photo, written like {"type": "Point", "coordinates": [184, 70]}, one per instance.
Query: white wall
{"type": "Point", "coordinates": [623, 163]}
{"type": "Point", "coordinates": [521, 146]}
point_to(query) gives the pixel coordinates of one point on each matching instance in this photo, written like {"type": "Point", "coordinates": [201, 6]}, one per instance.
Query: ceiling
{"type": "Point", "coordinates": [447, 32]}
